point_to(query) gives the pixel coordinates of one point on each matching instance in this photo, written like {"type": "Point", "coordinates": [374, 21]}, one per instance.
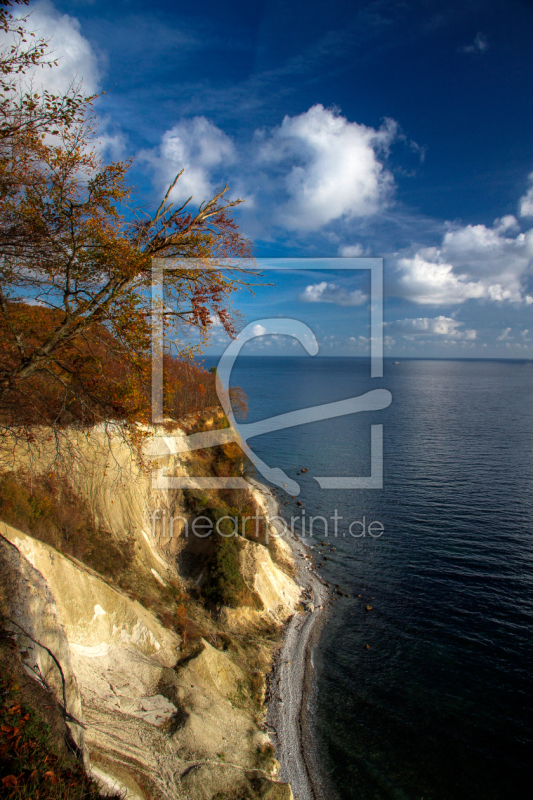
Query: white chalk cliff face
{"type": "Point", "coordinates": [148, 729]}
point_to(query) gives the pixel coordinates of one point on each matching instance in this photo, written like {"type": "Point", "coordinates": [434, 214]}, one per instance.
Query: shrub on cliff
{"type": "Point", "coordinates": [48, 509]}
{"type": "Point", "coordinates": [225, 584]}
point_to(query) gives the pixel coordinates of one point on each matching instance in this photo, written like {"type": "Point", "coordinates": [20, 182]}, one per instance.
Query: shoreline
{"type": "Point", "coordinates": [290, 684]}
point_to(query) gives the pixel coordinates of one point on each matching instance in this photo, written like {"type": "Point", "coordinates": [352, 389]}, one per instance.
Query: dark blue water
{"type": "Point", "coordinates": [440, 704]}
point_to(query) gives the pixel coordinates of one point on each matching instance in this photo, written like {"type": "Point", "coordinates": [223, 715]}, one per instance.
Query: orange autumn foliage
{"type": "Point", "coordinates": [94, 377]}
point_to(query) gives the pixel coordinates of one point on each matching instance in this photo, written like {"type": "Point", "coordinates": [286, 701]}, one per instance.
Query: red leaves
{"type": "Point", "coordinates": [89, 377]}
{"type": "Point", "coordinates": [189, 389]}
{"type": "Point", "coordinates": [27, 767]}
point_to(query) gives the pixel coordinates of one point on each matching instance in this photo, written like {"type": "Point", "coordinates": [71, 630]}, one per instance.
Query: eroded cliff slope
{"type": "Point", "coordinates": [163, 682]}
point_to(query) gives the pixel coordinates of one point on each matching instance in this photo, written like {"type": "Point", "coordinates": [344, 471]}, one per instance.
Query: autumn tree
{"type": "Point", "coordinates": [76, 260]}
{"type": "Point", "coordinates": [190, 388]}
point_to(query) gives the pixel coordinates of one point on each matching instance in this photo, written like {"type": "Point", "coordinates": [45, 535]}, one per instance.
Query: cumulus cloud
{"type": "Point", "coordinates": [78, 65]}
{"type": "Point", "coordinates": [277, 343]}
{"type": "Point", "coordinates": [332, 293]}
{"type": "Point", "coordinates": [214, 321]}
{"type": "Point", "coordinates": [313, 169]}
{"type": "Point", "coordinates": [111, 142]}
{"type": "Point", "coordinates": [330, 167]}
{"type": "Point", "coordinates": [76, 59]}
{"type": "Point", "coordinates": [431, 326]}
{"type": "Point", "coordinates": [351, 251]}
{"type": "Point", "coordinates": [198, 147]}
{"type": "Point", "coordinates": [472, 262]}
{"type": "Point", "coordinates": [526, 202]}
{"type": "Point", "coordinates": [505, 335]}
{"type": "Point", "coordinates": [359, 342]}
{"type": "Point", "coordinates": [479, 45]}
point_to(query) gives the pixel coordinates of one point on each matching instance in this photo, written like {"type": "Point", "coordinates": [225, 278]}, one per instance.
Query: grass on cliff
{"type": "Point", "coordinates": [225, 584]}
{"type": "Point", "coordinates": [48, 509]}
{"type": "Point", "coordinates": [35, 762]}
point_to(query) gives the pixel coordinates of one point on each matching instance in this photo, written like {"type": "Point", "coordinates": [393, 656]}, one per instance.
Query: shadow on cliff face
{"type": "Point", "coordinates": [211, 560]}
{"type": "Point", "coordinates": [196, 553]}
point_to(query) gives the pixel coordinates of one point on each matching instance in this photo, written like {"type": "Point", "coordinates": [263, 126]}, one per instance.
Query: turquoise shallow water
{"type": "Point", "coordinates": [440, 704]}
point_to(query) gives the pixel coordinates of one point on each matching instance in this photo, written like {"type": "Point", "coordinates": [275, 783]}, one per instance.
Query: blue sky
{"type": "Point", "coordinates": [399, 130]}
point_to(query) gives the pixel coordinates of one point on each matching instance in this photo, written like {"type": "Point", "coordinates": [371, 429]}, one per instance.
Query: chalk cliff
{"type": "Point", "coordinates": [154, 714]}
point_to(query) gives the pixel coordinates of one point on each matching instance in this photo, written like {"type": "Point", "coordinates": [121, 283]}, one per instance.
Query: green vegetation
{"type": "Point", "coordinates": [225, 584]}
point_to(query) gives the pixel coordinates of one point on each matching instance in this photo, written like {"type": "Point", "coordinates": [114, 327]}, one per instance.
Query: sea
{"type": "Point", "coordinates": [422, 685]}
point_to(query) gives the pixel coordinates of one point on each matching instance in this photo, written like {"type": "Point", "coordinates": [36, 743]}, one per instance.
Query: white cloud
{"type": "Point", "coordinates": [479, 45]}
{"type": "Point", "coordinates": [309, 171]}
{"type": "Point", "coordinates": [329, 167]}
{"type": "Point", "coordinates": [472, 262]}
{"type": "Point", "coordinates": [526, 202]}
{"type": "Point", "coordinates": [505, 335]}
{"type": "Point", "coordinates": [214, 321]}
{"type": "Point", "coordinates": [111, 142]}
{"type": "Point", "coordinates": [259, 330]}
{"type": "Point", "coordinates": [431, 326]}
{"type": "Point", "coordinates": [77, 60]}
{"type": "Point", "coordinates": [78, 65]}
{"type": "Point", "coordinates": [351, 251]}
{"type": "Point", "coordinates": [332, 293]}
{"type": "Point", "coordinates": [198, 147]}
{"type": "Point", "coordinates": [358, 342]}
